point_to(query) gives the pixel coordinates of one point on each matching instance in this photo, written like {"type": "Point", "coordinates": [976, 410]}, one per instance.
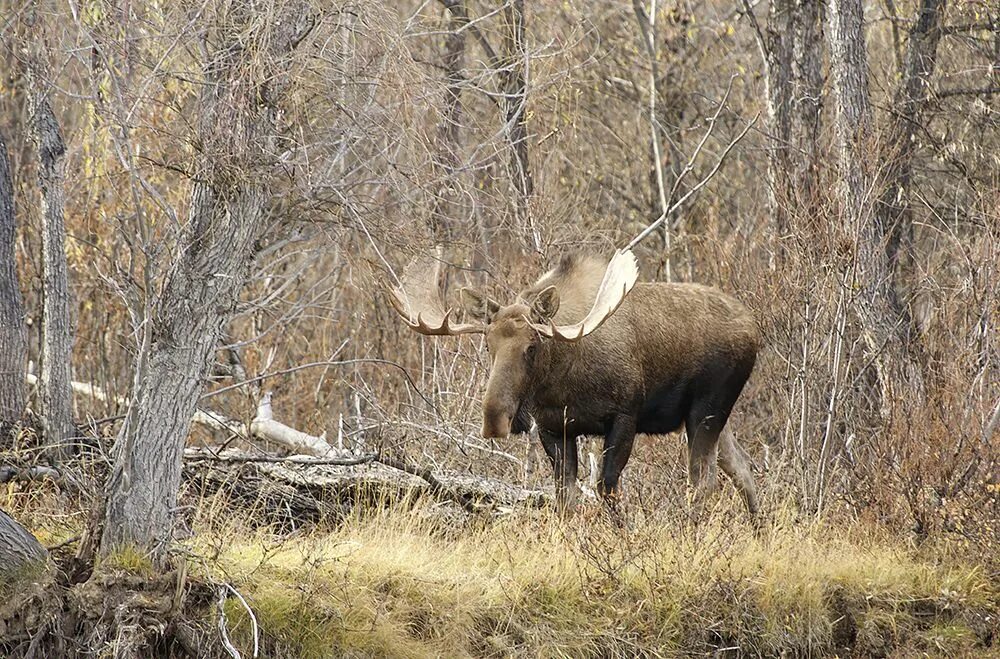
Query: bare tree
{"type": "Point", "coordinates": [647, 26]}
{"type": "Point", "coordinates": [446, 204]}
{"type": "Point", "coordinates": [245, 78]}
{"type": "Point", "coordinates": [514, 94]}
{"type": "Point", "coordinates": [910, 101]}
{"type": "Point", "coordinates": [13, 334]}
{"type": "Point", "coordinates": [878, 308]}
{"type": "Point", "coordinates": [792, 48]}
{"type": "Point", "coordinates": [55, 399]}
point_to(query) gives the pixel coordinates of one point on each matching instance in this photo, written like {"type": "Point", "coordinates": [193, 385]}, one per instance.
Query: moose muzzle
{"type": "Point", "coordinates": [496, 424]}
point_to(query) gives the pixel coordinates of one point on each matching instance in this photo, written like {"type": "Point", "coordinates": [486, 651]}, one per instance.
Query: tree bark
{"type": "Point", "coordinates": [910, 101]}
{"type": "Point", "coordinates": [660, 205]}
{"type": "Point", "coordinates": [227, 215]}
{"type": "Point", "coordinates": [13, 333]}
{"type": "Point", "coordinates": [879, 311]}
{"type": "Point", "coordinates": [18, 548]}
{"type": "Point", "coordinates": [447, 205]}
{"type": "Point", "coordinates": [55, 399]}
{"type": "Point", "coordinates": [792, 48]}
{"type": "Point", "coordinates": [513, 75]}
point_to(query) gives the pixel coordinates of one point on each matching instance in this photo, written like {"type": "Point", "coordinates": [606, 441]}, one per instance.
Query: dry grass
{"type": "Point", "coordinates": [396, 584]}
{"type": "Point", "coordinates": [410, 581]}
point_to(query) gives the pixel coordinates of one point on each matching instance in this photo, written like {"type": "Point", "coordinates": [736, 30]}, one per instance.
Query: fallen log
{"type": "Point", "coordinates": [299, 489]}
{"type": "Point", "coordinates": [265, 427]}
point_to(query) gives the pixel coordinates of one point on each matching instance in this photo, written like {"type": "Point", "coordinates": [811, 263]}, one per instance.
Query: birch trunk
{"type": "Point", "coordinates": [55, 397]}
{"type": "Point", "coordinates": [878, 308]}
{"type": "Point", "coordinates": [13, 333]}
{"type": "Point", "coordinates": [227, 216]}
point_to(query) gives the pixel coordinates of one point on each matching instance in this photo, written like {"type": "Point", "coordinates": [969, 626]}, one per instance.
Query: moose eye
{"type": "Point", "coordinates": [529, 352]}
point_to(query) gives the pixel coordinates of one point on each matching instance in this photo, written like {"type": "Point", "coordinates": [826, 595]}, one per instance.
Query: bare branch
{"type": "Point", "coordinates": [704, 181]}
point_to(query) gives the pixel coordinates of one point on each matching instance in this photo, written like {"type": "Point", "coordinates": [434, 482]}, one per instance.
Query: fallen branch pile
{"type": "Point", "coordinates": [318, 481]}
{"type": "Point", "coordinates": [302, 489]}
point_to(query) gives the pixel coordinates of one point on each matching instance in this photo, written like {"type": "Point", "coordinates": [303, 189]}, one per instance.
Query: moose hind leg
{"type": "Point", "coordinates": [703, 451]}
{"type": "Point", "coordinates": [705, 421]}
{"type": "Point", "coordinates": [562, 454]}
{"type": "Point", "coordinates": [735, 463]}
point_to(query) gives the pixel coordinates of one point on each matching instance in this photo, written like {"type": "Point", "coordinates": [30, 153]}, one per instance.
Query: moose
{"type": "Point", "coordinates": [588, 351]}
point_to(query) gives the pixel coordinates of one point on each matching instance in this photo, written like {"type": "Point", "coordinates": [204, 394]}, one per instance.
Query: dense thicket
{"type": "Point", "coordinates": [841, 160]}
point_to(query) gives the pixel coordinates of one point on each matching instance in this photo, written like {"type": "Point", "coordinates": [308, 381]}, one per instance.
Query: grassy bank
{"type": "Point", "coordinates": [398, 584]}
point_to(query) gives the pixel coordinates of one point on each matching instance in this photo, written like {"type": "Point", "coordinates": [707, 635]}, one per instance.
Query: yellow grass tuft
{"type": "Point", "coordinates": [393, 584]}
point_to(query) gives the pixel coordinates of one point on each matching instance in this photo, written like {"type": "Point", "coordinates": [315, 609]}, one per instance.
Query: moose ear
{"type": "Point", "coordinates": [545, 305]}
{"type": "Point", "coordinates": [478, 305]}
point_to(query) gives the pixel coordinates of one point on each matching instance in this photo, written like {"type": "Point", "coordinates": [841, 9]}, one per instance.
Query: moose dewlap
{"type": "Point", "coordinates": [588, 351]}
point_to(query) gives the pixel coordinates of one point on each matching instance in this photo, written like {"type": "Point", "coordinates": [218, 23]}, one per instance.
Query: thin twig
{"type": "Point", "coordinates": [67, 541]}
{"type": "Point", "coordinates": [762, 43]}
{"type": "Point", "coordinates": [253, 619]}
{"type": "Point", "coordinates": [344, 362]}
{"type": "Point", "coordinates": [967, 91]}
{"type": "Point", "coordinates": [680, 202]}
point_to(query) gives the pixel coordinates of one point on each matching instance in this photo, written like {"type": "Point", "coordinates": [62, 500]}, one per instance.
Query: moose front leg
{"type": "Point", "coordinates": [617, 448]}
{"type": "Point", "coordinates": [562, 454]}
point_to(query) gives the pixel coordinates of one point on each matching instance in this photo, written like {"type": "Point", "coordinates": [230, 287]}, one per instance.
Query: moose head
{"type": "Point", "coordinates": [518, 335]}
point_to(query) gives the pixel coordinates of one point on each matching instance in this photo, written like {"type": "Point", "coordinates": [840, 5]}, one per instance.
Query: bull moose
{"type": "Point", "coordinates": [588, 351]}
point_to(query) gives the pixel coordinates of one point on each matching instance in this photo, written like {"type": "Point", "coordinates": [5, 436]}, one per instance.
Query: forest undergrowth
{"type": "Point", "coordinates": [411, 581]}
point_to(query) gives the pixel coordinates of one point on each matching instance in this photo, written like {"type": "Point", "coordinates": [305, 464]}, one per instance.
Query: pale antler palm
{"type": "Point", "coordinates": [619, 278]}
{"type": "Point", "coordinates": [418, 300]}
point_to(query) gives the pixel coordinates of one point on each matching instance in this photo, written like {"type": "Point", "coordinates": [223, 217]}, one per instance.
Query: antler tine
{"type": "Point", "coordinates": [418, 300]}
{"type": "Point", "coordinates": [622, 272]}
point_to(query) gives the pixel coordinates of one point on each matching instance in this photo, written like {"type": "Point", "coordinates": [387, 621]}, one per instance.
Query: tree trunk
{"type": "Point", "coordinates": [13, 333]}
{"type": "Point", "coordinates": [793, 54]}
{"type": "Point", "coordinates": [55, 399]}
{"type": "Point", "coordinates": [227, 216]}
{"type": "Point", "coordinates": [660, 204]}
{"type": "Point", "coordinates": [910, 101]}
{"type": "Point", "coordinates": [198, 300]}
{"type": "Point", "coordinates": [878, 308]}
{"type": "Point", "coordinates": [18, 548]}
{"type": "Point", "coordinates": [447, 202]}
{"type": "Point", "coordinates": [513, 75]}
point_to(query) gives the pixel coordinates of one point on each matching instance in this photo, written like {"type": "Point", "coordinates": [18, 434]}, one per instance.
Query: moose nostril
{"type": "Point", "coordinates": [495, 425]}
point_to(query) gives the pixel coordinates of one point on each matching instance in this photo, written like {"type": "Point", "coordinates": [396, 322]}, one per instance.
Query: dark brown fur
{"type": "Point", "coordinates": [672, 355]}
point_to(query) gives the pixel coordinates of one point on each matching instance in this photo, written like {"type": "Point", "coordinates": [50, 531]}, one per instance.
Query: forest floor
{"type": "Point", "coordinates": [416, 580]}
{"type": "Point", "coordinates": [398, 585]}
{"type": "Point", "coordinates": [423, 579]}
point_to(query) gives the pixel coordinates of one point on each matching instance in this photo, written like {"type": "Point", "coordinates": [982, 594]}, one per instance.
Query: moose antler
{"type": "Point", "coordinates": [619, 278]}
{"type": "Point", "coordinates": [418, 300]}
